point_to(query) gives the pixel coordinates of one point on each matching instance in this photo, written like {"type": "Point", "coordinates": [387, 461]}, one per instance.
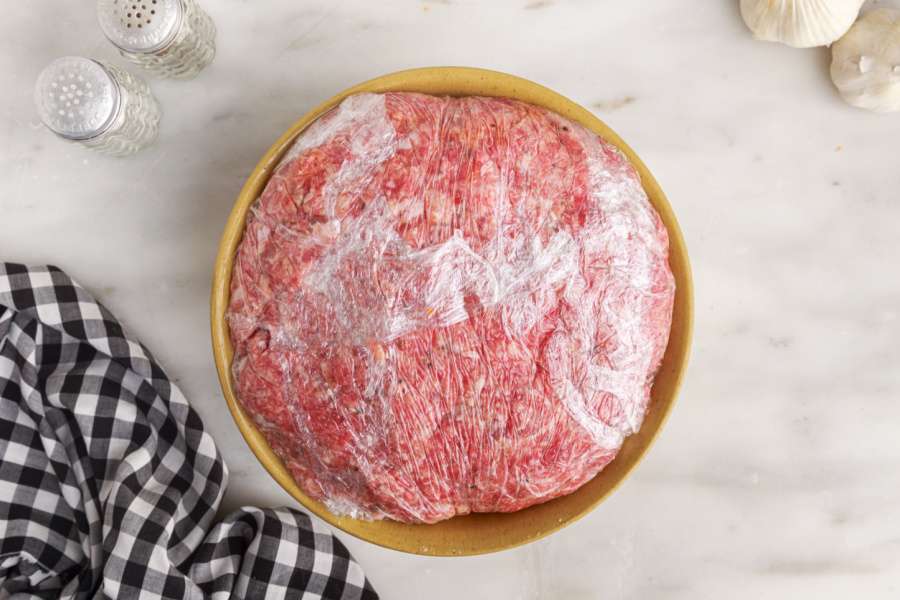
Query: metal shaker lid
{"type": "Point", "coordinates": [76, 97]}
{"type": "Point", "coordinates": [140, 26]}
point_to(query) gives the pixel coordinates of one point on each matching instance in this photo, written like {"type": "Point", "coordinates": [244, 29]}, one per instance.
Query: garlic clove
{"type": "Point", "coordinates": [865, 63]}
{"type": "Point", "coordinates": [800, 23]}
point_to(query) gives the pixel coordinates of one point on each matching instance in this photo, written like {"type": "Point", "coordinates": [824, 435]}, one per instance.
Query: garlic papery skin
{"type": "Point", "coordinates": [865, 63]}
{"type": "Point", "coordinates": [800, 23]}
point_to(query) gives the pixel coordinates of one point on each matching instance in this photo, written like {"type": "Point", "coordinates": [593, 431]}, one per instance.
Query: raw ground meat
{"type": "Point", "coordinates": [448, 305]}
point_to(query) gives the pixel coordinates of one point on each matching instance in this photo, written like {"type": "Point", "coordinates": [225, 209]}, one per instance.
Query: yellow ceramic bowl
{"type": "Point", "coordinates": [476, 533]}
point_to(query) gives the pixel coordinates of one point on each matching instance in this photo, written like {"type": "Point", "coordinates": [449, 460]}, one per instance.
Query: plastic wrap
{"type": "Point", "coordinates": [448, 305]}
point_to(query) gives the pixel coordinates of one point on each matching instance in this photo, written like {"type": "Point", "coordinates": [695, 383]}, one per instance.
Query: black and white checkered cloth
{"type": "Point", "coordinates": [109, 483]}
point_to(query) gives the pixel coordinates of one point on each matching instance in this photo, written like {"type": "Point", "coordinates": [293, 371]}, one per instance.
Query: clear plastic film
{"type": "Point", "coordinates": [448, 305]}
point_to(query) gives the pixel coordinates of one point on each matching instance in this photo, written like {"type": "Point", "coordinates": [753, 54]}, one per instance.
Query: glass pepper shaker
{"type": "Point", "coordinates": [97, 105]}
{"type": "Point", "coordinates": [171, 38]}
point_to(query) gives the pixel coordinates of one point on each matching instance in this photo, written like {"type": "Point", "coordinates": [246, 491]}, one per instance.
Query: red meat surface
{"type": "Point", "coordinates": [448, 305]}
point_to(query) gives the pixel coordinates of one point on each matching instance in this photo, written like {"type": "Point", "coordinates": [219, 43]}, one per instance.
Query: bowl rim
{"type": "Point", "coordinates": [443, 541]}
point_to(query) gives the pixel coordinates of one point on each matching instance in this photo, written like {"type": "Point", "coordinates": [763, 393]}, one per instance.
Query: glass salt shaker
{"type": "Point", "coordinates": [171, 38]}
{"type": "Point", "coordinates": [97, 105]}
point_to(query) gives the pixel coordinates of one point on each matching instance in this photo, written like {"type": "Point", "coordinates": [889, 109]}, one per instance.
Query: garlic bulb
{"type": "Point", "coordinates": [800, 23]}
{"type": "Point", "coordinates": [865, 63]}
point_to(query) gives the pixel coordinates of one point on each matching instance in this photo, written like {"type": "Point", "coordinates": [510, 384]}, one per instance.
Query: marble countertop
{"type": "Point", "coordinates": [777, 475]}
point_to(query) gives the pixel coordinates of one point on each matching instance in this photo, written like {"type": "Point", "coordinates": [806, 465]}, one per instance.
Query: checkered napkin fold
{"type": "Point", "coordinates": [109, 483]}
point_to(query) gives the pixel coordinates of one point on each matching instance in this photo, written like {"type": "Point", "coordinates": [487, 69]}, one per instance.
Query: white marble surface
{"type": "Point", "coordinates": [778, 474]}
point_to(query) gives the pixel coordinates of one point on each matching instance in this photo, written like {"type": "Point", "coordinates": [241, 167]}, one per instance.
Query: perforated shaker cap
{"type": "Point", "coordinates": [76, 97]}
{"type": "Point", "coordinates": [140, 26]}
